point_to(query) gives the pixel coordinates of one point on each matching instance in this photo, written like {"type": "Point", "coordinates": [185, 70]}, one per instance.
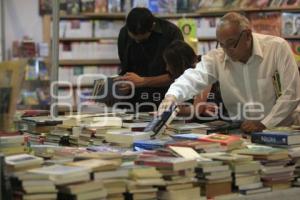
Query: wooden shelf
{"type": "Point", "coordinates": [95, 16]}
{"type": "Point", "coordinates": [199, 13]}
{"type": "Point", "coordinates": [90, 62]}
{"type": "Point", "coordinates": [220, 11]}
{"type": "Point", "coordinates": [92, 39]}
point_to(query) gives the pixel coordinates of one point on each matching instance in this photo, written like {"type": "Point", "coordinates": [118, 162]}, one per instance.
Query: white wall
{"type": "Point", "coordinates": [22, 19]}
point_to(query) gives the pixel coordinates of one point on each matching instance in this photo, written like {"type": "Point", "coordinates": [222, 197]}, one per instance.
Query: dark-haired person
{"type": "Point", "coordinates": [180, 56]}
{"type": "Point", "coordinates": [141, 43]}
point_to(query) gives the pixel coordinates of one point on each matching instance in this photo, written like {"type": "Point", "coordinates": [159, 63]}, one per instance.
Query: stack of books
{"type": "Point", "coordinates": [10, 145]}
{"type": "Point", "coordinates": [82, 190]}
{"type": "Point", "coordinates": [178, 174]}
{"type": "Point", "coordinates": [245, 171]}
{"type": "Point", "coordinates": [142, 182]}
{"type": "Point", "coordinates": [214, 177]}
{"type": "Point", "coordinates": [276, 171]}
{"type": "Point", "coordinates": [33, 187]}
{"type": "Point", "coordinates": [63, 175]}
{"type": "Point", "coordinates": [154, 144]}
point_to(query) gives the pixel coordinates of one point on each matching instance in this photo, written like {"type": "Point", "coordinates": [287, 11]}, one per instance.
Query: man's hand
{"type": "Point", "coordinates": [168, 101]}
{"type": "Point", "coordinates": [249, 126]}
{"type": "Point", "coordinates": [137, 80]}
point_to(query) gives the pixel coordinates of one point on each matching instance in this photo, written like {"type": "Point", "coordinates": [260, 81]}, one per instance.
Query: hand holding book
{"type": "Point", "coordinates": [167, 103]}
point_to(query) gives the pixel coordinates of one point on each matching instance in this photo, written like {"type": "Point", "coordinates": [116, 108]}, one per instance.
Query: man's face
{"type": "Point", "coordinates": [234, 42]}
{"type": "Point", "coordinates": [139, 38]}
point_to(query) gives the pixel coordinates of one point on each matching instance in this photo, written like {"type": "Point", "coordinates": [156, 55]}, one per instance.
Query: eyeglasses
{"type": "Point", "coordinates": [231, 45]}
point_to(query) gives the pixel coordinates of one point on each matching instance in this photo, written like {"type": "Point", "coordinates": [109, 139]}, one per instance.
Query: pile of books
{"type": "Point", "coordinates": [10, 145]}
{"type": "Point", "coordinates": [246, 175]}
{"type": "Point", "coordinates": [142, 182]}
{"type": "Point", "coordinates": [178, 174]}
{"type": "Point", "coordinates": [276, 171]}
{"type": "Point", "coordinates": [214, 177]}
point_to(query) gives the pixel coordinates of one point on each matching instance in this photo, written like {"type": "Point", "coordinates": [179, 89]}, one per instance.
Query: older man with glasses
{"type": "Point", "coordinates": [246, 65]}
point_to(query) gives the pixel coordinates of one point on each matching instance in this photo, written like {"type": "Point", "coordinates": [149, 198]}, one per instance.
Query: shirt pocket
{"type": "Point", "coordinates": [266, 90]}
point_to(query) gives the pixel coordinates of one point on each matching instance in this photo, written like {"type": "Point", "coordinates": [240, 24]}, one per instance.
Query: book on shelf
{"type": "Point", "coordinates": [101, 6]}
{"type": "Point", "coordinates": [72, 7]}
{"type": "Point", "coordinates": [295, 45]}
{"type": "Point", "coordinates": [266, 23]}
{"type": "Point", "coordinates": [87, 6]}
{"type": "Point", "coordinates": [114, 6]}
{"type": "Point", "coordinates": [291, 24]}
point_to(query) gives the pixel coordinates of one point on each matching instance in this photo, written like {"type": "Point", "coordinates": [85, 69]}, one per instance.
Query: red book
{"type": "Point", "coordinates": [231, 141]}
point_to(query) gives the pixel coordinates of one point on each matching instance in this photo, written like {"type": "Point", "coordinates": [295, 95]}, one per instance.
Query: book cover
{"type": "Point", "coordinates": [266, 23]}
{"type": "Point", "coordinates": [157, 125]}
{"type": "Point", "coordinates": [188, 28]}
{"type": "Point", "coordinates": [290, 3]}
{"type": "Point", "coordinates": [114, 6]}
{"type": "Point", "coordinates": [72, 7]}
{"type": "Point", "coordinates": [276, 138]}
{"type": "Point", "coordinates": [87, 6]}
{"type": "Point", "coordinates": [222, 139]}
{"type": "Point", "coordinates": [188, 136]}
{"type": "Point", "coordinates": [291, 24]}
{"type": "Point", "coordinates": [149, 144]}
{"type": "Point", "coordinates": [295, 46]}
{"type": "Point", "coordinates": [101, 6]}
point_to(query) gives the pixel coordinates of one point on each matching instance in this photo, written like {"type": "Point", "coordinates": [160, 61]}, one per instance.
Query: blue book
{"type": "Point", "coordinates": [188, 136]}
{"type": "Point", "coordinates": [276, 138]}
{"type": "Point", "coordinates": [150, 144]}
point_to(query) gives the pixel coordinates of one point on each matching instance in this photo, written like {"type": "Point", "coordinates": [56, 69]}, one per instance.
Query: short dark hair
{"type": "Point", "coordinates": [139, 20]}
{"type": "Point", "coordinates": [179, 56]}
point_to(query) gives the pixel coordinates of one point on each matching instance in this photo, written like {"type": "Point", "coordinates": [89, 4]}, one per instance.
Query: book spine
{"type": "Point", "coordinates": [261, 138]}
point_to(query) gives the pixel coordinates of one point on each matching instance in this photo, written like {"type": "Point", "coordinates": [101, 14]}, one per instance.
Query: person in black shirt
{"type": "Point", "coordinates": [141, 43]}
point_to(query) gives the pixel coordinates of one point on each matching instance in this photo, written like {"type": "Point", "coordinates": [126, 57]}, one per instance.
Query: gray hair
{"type": "Point", "coordinates": [235, 19]}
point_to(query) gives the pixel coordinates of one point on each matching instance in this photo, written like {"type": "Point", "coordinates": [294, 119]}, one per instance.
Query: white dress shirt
{"type": "Point", "coordinates": [243, 86]}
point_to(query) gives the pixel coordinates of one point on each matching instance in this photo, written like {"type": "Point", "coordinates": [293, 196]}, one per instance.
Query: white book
{"type": "Point", "coordinates": [126, 137]}
{"type": "Point", "coordinates": [61, 171]}
{"type": "Point", "coordinates": [23, 160]}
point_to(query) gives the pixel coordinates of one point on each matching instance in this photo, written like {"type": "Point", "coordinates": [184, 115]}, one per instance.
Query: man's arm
{"type": "Point", "coordinates": [193, 81]}
{"type": "Point", "coordinates": [290, 87]}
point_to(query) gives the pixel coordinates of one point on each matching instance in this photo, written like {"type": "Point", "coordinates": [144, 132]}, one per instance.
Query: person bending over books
{"type": "Point", "coordinates": [141, 43]}
{"type": "Point", "coordinates": [179, 56]}
{"type": "Point", "coordinates": [245, 65]}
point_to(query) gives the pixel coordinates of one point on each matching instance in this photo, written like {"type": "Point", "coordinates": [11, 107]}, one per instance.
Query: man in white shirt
{"type": "Point", "coordinates": [245, 66]}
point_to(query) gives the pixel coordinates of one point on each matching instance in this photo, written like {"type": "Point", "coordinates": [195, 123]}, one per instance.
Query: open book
{"type": "Point", "coordinates": [157, 125]}
{"type": "Point", "coordinates": [104, 90]}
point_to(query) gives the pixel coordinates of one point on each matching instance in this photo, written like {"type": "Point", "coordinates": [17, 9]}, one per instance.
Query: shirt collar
{"type": "Point", "coordinates": [256, 48]}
